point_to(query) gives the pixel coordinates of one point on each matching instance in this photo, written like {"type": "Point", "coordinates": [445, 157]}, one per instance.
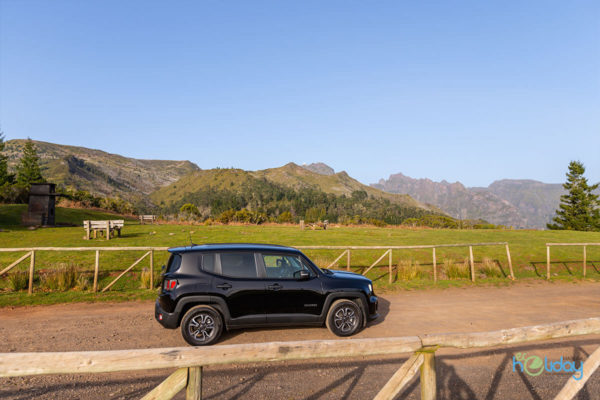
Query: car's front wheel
{"type": "Point", "coordinates": [344, 318]}
{"type": "Point", "coordinates": [201, 326]}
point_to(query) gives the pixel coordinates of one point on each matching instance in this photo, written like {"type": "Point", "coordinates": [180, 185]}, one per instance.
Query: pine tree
{"type": "Point", "coordinates": [579, 208]}
{"type": "Point", "coordinates": [4, 178]}
{"type": "Point", "coordinates": [29, 170]}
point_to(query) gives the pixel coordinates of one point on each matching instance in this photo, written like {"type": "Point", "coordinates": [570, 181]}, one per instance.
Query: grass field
{"type": "Point", "coordinates": [414, 266]}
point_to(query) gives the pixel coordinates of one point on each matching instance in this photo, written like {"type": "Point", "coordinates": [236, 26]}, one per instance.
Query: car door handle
{"type": "Point", "coordinates": [224, 286]}
{"type": "Point", "coordinates": [276, 286]}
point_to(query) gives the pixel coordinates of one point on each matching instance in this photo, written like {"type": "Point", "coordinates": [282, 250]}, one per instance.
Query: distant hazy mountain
{"type": "Point", "coordinates": [319, 168]}
{"type": "Point", "coordinates": [99, 172]}
{"type": "Point", "coordinates": [517, 203]}
{"type": "Point", "coordinates": [537, 201]}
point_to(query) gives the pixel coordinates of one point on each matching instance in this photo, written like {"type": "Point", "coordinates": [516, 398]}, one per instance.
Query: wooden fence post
{"type": "Point", "coordinates": [107, 230]}
{"type": "Point", "coordinates": [348, 261]}
{"type": "Point", "coordinates": [151, 269]}
{"type": "Point", "coordinates": [434, 266]}
{"type": "Point", "coordinates": [548, 262]}
{"type": "Point", "coordinates": [87, 226]}
{"type": "Point", "coordinates": [390, 266]}
{"type": "Point", "coordinates": [510, 268]}
{"type": "Point", "coordinates": [428, 376]}
{"type": "Point", "coordinates": [472, 263]}
{"type": "Point", "coordinates": [96, 268]}
{"type": "Point", "coordinates": [31, 269]}
{"type": "Point", "coordinates": [194, 384]}
{"type": "Point", "coordinates": [401, 378]}
{"type": "Point", "coordinates": [584, 260]}
{"type": "Point", "coordinates": [570, 390]}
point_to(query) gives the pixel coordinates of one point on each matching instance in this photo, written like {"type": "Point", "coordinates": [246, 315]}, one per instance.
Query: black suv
{"type": "Point", "coordinates": [207, 288]}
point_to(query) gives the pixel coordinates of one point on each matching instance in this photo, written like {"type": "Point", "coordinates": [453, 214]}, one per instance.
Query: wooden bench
{"type": "Point", "coordinates": [147, 218]}
{"type": "Point", "coordinates": [108, 226]}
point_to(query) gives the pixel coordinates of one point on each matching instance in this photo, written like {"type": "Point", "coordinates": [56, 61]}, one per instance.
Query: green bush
{"type": "Point", "coordinates": [83, 283]}
{"type": "Point", "coordinates": [285, 217]}
{"type": "Point", "coordinates": [489, 268]}
{"type": "Point", "coordinates": [457, 270]}
{"type": "Point", "coordinates": [409, 270]}
{"type": "Point", "coordinates": [145, 278]}
{"type": "Point", "coordinates": [18, 280]}
{"type": "Point", "coordinates": [62, 278]}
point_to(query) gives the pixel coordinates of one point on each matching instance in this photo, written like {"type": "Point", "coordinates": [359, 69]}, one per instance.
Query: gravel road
{"type": "Point", "coordinates": [481, 374]}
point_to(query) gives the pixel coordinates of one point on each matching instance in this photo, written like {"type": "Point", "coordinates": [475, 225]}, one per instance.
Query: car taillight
{"type": "Point", "coordinates": [170, 284]}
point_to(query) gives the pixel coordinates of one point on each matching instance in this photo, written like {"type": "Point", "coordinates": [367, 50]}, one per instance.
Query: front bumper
{"type": "Point", "coordinates": [373, 305]}
{"type": "Point", "coordinates": [168, 320]}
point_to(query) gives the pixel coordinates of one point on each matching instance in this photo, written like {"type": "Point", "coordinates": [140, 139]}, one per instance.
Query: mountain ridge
{"type": "Point", "coordinates": [521, 203]}
{"type": "Point", "coordinates": [100, 172]}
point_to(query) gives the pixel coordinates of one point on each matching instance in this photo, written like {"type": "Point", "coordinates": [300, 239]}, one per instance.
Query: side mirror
{"type": "Point", "coordinates": [303, 275]}
{"type": "Point", "coordinates": [163, 267]}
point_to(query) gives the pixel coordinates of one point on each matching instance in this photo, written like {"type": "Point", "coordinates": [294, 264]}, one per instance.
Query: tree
{"type": "Point", "coordinates": [29, 171]}
{"type": "Point", "coordinates": [579, 208]}
{"type": "Point", "coordinates": [4, 177]}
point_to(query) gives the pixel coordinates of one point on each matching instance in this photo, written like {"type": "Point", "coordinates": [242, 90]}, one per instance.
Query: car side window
{"type": "Point", "coordinates": [174, 263]}
{"type": "Point", "coordinates": [238, 265]}
{"type": "Point", "coordinates": [283, 266]}
{"type": "Point", "coordinates": [208, 262]}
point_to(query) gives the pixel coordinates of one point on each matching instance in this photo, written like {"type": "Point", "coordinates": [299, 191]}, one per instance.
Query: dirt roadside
{"type": "Point", "coordinates": [461, 374]}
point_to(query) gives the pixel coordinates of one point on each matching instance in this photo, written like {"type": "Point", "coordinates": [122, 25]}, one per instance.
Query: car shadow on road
{"type": "Point", "coordinates": [383, 310]}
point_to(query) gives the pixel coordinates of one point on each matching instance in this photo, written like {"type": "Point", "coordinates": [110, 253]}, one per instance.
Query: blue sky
{"type": "Point", "coordinates": [468, 91]}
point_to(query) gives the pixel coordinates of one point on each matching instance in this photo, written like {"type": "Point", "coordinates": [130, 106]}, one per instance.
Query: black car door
{"type": "Point", "coordinates": [290, 299]}
{"type": "Point", "coordinates": [239, 283]}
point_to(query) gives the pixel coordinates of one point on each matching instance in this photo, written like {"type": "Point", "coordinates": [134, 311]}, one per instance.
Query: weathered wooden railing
{"type": "Point", "coordinates": [149, 252]}
{"type": "Point", "coordinates": [31, 253]}
{"type": "Point", "coordinates": [389, 249]}
{"type": "Point", "coordinates": [584, 245]}
{"type": "Point", "coordinates": [189, 361]}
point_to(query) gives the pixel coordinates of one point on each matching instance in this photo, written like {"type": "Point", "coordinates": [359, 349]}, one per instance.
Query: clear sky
{"type": "Point", "coordinates": [469, 91]}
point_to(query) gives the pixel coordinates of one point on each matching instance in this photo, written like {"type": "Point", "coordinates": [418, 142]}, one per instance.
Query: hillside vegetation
{"type": "Point", "coordinates": [290, 189]}
{"type": "Point", "coordinates": [100, 172]}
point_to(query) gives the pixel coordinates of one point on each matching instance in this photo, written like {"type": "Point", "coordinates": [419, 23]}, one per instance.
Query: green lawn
{"type": "Point", "coordinates": [527, 249]}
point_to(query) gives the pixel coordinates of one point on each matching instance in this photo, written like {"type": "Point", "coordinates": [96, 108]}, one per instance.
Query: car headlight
{"type": "Point", "coordinates": [370, 288]}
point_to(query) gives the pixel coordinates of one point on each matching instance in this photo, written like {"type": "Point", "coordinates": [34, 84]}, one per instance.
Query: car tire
{"type": "Point", "coordinates": [201, 326]}
{"type": "Point", "coordinates": [344, 318]}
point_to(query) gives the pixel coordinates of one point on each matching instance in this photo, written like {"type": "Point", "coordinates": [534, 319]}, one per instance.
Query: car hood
{"type": "Point", "coordinates": [348, 275]}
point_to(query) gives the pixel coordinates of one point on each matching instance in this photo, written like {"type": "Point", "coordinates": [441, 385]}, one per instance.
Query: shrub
{"type": "Point", "coordinates": [457, 271]}
{"type": "Point", "coordinates": [62, 278]}
{"type": "Point", "coordinates": [490, 269]}
{"type": "Point", "coordinates": [83, 283]}
{"type": "Point", "coordinates": [145, 279]}
{"type": "Point", "coordinates": [226, 216]}
{"type": "Point", "coordinates": [409, 270]}
{"type": "Point", "coordinates": [285, 217]}
{"type": "Point", "coordinates": [18, 280]}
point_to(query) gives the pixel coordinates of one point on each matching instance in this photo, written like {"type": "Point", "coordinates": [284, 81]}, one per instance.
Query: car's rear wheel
{"type": "Point", "coordinates": [345, 318]}
{"type": "Point", "coordinates": [201, 326]}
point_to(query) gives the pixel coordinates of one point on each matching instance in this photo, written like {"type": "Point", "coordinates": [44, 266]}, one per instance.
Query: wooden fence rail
{"type": "Point", "coordinates": [389, 250]}
{"type": "Point", "coordinates": [30, 252]}
{"type": "Point", "coordinates": [584, 245]}
{"type": "Point", "coordinates": [189, 360]}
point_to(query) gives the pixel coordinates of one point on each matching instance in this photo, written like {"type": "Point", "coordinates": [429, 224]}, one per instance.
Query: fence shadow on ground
{"type": "Point", "coordinates": [347, 378]}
